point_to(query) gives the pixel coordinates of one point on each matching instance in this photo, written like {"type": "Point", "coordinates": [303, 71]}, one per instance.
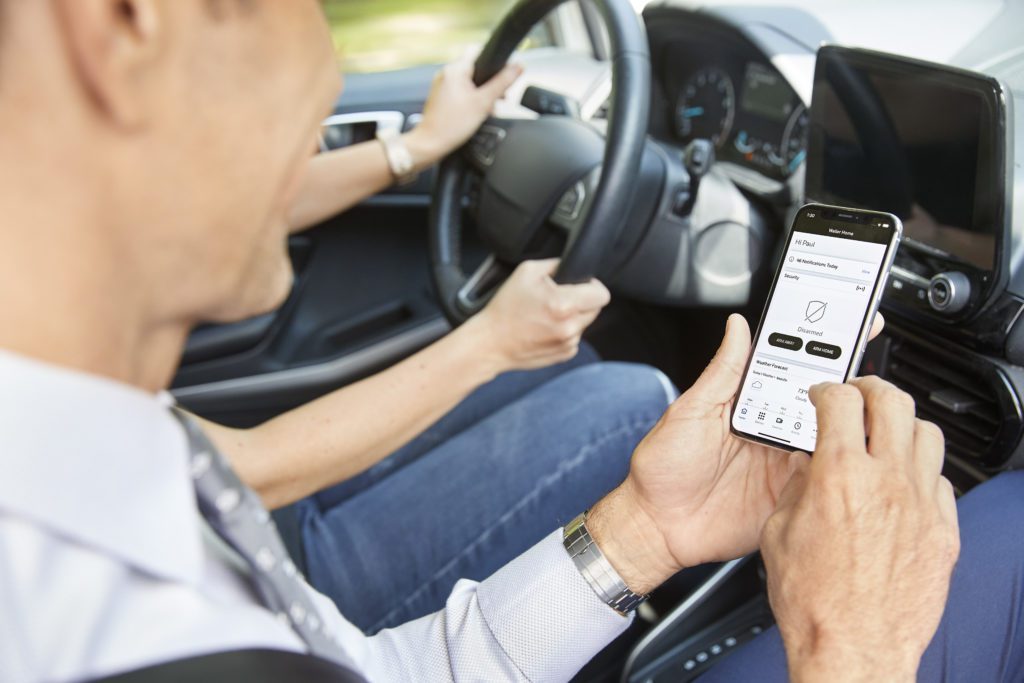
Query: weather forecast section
{"type": "Point", "coordinates": [809, 334]}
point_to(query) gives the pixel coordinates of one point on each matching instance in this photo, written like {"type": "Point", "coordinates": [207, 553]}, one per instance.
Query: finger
{"type": "Point", "coordinates": [945, 498]}
{"type": "Point", "coordinates": [877, 325]}
{"type": "Point", "coordinates": [890, 419]}
{"type": "Point", "coordinates": [585, 320]}
{"type": "Point", "coordinates": [929, 451]}
{"type": "Point", "coordinates": [569, 351]}
{"type": "Point", "coordinates": [495, 88]}
{"type": "Point", "coordinates": [840, 414]}
{"type": "Point", "coordinates": [720, 381]}
{"type": "Point", "coordinates": [585, 298]}
{"type": "Point", "coordinates": [548, 266]}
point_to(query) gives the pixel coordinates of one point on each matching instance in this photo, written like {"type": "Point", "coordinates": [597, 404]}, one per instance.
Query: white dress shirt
{"type": "Point", "coordinates": [103, 566]}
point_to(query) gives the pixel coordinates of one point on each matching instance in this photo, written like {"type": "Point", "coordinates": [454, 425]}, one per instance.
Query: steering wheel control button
{"type": "Point", "coordinates": [484, 145]}
{"type": "Point", "coordinates": [785, 341]}
{"type": "Point", "coordinates": [545, 102]}
{"type": "Point", "coordinates": [571, 204]}
{"type": "Point", "coordinates": [949, 293]}
{"type": "Point", "coordinates": [821, 350]}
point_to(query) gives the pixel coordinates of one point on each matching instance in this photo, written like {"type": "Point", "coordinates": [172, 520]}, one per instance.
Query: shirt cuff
{"type": "Point", "coordinates": [545, 615]}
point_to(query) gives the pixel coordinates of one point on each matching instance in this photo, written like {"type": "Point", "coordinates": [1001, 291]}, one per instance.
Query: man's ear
{"type": "Point", "coordinates": [112, 46]}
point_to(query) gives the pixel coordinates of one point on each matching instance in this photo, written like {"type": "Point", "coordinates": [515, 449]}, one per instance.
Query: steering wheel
{"type": "Point", "coordinates": [542, 183]}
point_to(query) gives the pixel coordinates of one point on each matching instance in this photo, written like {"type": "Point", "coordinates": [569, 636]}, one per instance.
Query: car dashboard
{"type": "Point", "coordinates": [735, 98]}
{"type": "Point", "coordinates": [712, 82]}
{"type": "Point", "coordinates": [745, 79]}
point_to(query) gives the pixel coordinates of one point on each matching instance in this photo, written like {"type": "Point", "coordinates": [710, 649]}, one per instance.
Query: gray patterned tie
{"type": "Point", "coordinates": [237, 515]}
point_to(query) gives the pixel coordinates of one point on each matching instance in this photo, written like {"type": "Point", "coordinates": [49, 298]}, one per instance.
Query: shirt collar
{"type": "Point", "coordinates": [99, 463]}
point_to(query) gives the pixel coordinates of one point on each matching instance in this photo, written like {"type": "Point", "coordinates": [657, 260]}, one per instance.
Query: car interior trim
{"type": "Point", "coordinates": [338, 370]}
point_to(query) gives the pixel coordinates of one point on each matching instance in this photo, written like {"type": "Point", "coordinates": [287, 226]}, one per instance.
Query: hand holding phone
{"type": "Point", "coordinates": [817, 321]}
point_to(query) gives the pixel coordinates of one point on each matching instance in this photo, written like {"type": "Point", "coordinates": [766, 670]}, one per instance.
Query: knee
{"type": "Point", "coordinates": [997, 504]}
{"type": "Point", "coordinates": [992, 522]}
{"type": "Point", "coordinates": [624, 387]}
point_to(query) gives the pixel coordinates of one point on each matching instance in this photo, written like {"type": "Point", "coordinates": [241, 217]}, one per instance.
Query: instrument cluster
{"type": "Point", "coordinates": [745, 107]}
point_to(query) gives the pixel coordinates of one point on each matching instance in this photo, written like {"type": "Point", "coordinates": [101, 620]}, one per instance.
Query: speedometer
{"type": "Point", "coordinates": [794, 142]}
{"type": "Point", "coordinates": [706, 107]}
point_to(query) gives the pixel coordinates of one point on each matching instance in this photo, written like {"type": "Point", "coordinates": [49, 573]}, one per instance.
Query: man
{"type": "Point", "coordinates": [116, 115]}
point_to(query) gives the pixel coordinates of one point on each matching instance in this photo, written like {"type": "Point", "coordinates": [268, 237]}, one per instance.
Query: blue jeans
{"type": "Point", "coordinates": [981, 637]}
{"type": "Point", "coordinates": [518, 458]}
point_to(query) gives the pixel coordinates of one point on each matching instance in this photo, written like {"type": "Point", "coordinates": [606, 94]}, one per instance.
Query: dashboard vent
{"type": "Point", "coordinates": [966, 396]}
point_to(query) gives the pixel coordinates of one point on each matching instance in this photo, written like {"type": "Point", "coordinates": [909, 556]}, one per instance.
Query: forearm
{"type": "Point", "coordinates": [628, 538]}
{"type": "Point", "coordinates": [536, 619]}
{"type": "Point", "coordinates": [346, 432]}
{"type": "Point", "coordinates": [337, 181]}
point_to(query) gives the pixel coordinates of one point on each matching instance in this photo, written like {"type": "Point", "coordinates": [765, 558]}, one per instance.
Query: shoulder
{"type": "Point", "coordinates": [73, 612]}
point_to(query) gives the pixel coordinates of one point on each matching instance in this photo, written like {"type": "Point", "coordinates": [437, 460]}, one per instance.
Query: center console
{"type": "Point", "coordinates": [933, 144]}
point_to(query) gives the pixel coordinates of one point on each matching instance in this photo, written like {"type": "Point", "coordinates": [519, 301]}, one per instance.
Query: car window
{"type": "Point", "coordinates": [383, 35]}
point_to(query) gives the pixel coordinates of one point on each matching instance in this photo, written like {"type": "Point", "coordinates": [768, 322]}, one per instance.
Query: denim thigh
{"type": "Point", "coordinates": [483, 402]}
{"type": "Point", "coordinates": [394, 552]}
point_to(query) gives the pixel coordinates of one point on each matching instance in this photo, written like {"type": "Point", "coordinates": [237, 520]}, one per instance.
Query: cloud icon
{"type": "Point", "coordinates": [756, 385]}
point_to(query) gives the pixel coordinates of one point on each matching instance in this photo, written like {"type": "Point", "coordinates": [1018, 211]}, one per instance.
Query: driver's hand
{"type": "Point", "coordinates": [456, 107]}
{"type": "Point", "coordinates": [862, 546]}
{"type": "Point", "coordinates": [532, 322]}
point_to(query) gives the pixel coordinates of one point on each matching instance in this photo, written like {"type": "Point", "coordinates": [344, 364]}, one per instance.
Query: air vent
{"type": "Point", "coordinates": [966, 395]}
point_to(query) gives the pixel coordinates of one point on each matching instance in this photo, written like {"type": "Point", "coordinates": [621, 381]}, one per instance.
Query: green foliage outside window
{"type": "Point", "coordinates": [380, 35]}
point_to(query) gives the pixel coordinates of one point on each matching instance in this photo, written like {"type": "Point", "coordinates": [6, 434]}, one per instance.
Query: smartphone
{"type": "Point", "coordinates": [816, 323]}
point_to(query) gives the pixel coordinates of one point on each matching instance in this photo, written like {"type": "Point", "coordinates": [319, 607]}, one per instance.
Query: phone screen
{"type": "Point", "coordinates": [814, 327]}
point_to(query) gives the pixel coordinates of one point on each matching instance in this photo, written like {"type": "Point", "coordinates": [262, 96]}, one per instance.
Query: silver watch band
{"type": "Point", "coordinates": [596, 568]}
{"type": "Point", "coordinates": [400, 160]}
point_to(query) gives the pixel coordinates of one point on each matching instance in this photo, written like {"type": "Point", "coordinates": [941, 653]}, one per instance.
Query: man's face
{"type": "Point", "coordinates": [241, 99]}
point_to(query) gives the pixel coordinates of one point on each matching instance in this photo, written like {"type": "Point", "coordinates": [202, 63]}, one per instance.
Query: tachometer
{"type": "Point", "coordinates": [794, 142]}
{"type": "Point", "coordinates": [707, 106]}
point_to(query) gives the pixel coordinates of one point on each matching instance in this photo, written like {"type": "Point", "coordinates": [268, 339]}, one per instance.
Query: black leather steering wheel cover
{"type": "Point", "coordinates": [625, 140]}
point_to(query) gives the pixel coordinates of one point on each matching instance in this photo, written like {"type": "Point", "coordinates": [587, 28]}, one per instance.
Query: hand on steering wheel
{"type": "Point", "coordinates": [533, 323]}
{"type": "Point", "coordinates": [546, 185]}
{"type": "Point", "coordinates": [456, 107]}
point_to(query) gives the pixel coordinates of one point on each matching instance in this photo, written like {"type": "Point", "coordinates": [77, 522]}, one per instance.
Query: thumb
{"type": "Point", "coordinates": [495, 88]}
{"type": "Point", "coordinates": [720, 381]}
{"type": "Point", "coordinates": [547, 267]}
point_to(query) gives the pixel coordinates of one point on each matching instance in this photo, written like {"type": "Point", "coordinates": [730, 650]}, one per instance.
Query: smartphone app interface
{"type": "Point", "coordinates": [810, 329]}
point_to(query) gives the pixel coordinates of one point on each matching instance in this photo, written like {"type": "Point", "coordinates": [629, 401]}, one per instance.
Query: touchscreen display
{"type": "Point", "coordinates": [819, 304]}
{"type": "Point", "coordinates": [916, 144]}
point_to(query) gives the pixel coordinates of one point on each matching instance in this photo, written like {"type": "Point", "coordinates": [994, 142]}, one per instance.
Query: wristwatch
{"type": "Point", "coordinates": [596, 568]}
{"type": "Point", "coordinates": [400, 160]}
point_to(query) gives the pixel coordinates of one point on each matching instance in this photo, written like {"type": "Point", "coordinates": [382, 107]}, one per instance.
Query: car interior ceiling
{"type": "Point", "coordinates": [955, 339]}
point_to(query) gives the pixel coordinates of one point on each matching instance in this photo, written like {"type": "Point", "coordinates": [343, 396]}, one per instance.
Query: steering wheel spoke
{"type": "Point", "coordinates": [481, 287]}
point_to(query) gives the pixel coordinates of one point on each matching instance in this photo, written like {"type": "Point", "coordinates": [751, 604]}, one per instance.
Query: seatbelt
{"type": "Point", "coordinates": [241, 666]}
{"type": "Point", "coordinates": [236, 514]}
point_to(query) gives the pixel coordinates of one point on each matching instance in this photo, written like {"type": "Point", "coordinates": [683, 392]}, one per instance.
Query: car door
{"type": "Point", "coordinates": [362, 298]}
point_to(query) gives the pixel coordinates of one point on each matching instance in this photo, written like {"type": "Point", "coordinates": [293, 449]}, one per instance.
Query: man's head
{"type": "Point", "coordinates": [173, 132]}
